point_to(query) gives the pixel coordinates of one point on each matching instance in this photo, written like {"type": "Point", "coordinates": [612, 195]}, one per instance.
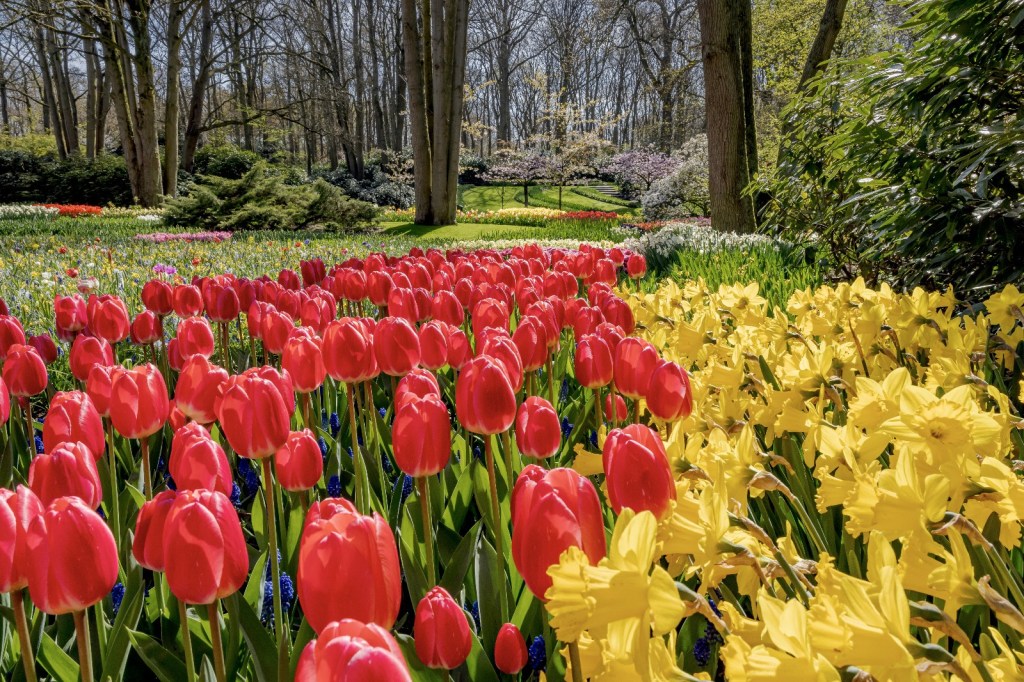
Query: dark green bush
{"type": "Point", "coordinates": [260, 200]}
{"type": "Point", "coordinates": [224, 160]}
{"type": "Point", "coordinates": [27, 177]}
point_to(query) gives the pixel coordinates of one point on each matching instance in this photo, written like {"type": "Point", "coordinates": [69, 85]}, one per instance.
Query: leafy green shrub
{"type": "Point", "coordinates": [22, 176]}
{"type": "Point", "coordinates": [224, 160]}
{"type": "Point", "coordinates": [26, 176]}
{"type": "Point", "coordinates": [260, 200]}
{"type": "Point", "coordinates": [910, 167]}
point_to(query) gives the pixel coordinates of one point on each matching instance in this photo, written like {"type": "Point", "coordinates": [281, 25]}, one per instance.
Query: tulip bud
{"type": "Point", "coordinates": [73, 417]}
{"type": "Point", "coordinates": [348, 567]}
{"type": "Point", "coordinates": [24, 371]}
{"type": "Point", "coordinates": [194, 337]}
{"type": "Point", "coordinates": [538, 433]}
{"type": "Point", "coordinates": [17, 510]}
{"type": "Point", "coordinates": [637, 470]}
{"type": "Point", "coordinates": [510, 653]}
{"type": "Point", "coordinates": [11, 334]}
{"type": "Point", "coordinates": [350, 650]}
{"type": "Point", "coordinates": [299, 463]}
{"type": "Point", "coordinates": [530, 339]}
{"type": "Point", "coordinates": [5, 403]}
{"type": "Point", "coordinates": [441, 631]}
{"type": "Point", "coordinates": [138, 401]}
{"type": "Point", "coordinates": [108, 317]}
{"type": "Point", "coordinates": [69, 313]}
{"type": "Point", "coordinates": [396, 346]}
{"type": "Point", "coordinates": [148, 545]}
{"type": "Point", "coordinates": [198, 388]}
{"type": "Point", "coordinates": [158, 297]}
{"type": "Point", "coordinates": [88, 352]}
{"type": "Point", "coordinates": [617, 411]}
{"type": "Point", "coordinates": [45, 346]}
{"type": "Point", "coordinates": [348, 351]}
{"type": "Point", "coordinates": [146, 328]}
{"type": "Point", "coordinates": [593, 362]}
{"type": "Point", "coordinates": [553, 510]}
{"type": "Point", "coordinates": [254, 414]}
{"type": "Point", "coordinates": [98, 386]}
{"type": "Point", "coordinates": [74, 558]}
{"type": "Point", "coordinates": [668, 393]}
{"type": "Point", "coordinates": [187, 300]}
{"type": "Point", "coordinates": [434, 345]}
{"type": "Point", "coordinates": [422, 436]}
{"type": "Point", "coordinates": [484, 399]}
{"type": "Point", "coordinates": [303, 360]}
{"type": "Point", "coordinates": [634, 363]}
{"type": "Point", "coordinates": [204, 549]}
{"type": "Point", "coordinates": [197, 461]}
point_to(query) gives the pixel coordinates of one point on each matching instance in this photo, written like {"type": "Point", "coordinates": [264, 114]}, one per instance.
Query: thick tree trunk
{"type": "Point", "coordinates": [194, 121]}
{"type": "Point", "coordinates": [731, 208]}
{"type": "Point", "coordinates": [825, 40]}
{"type": "Point", "coordinates": [172, 108]}
{"type": "Point", "coordinates": [412, 43]}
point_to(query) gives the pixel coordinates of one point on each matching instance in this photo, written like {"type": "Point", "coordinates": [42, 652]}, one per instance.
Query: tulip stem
{"type": "Point", "coordinates": [305, 412]}
{"type": "Point", "coordinates": [498, 539]}
{"type": "Point", "coordinates": [275, 566]}
{"type": "Point", "coordinates": [636, 411]}
{"type": "Point", "coordinates": [147, 475]}
{"type": "Point", "coordinates": [372, 428]}
{"type": "Point", "coordinates": [215, 641]}
{"type": "Point", "coordinates": [186, 641]}
{"type": "Point", "coordinates": [357, 455]}
{"type": "Point", "coordinates": [551, 382]}
{"type": "Point", "coordinates": [225, 346]}
{"type": "Point", "coordinates": [574, 660]}
{"type": "Point", "coordinates": [597, 409]}
{"type": "Point", "coordinates": [28, 660]}
{"type": "Point", "coordinates": [423, 483]}
{"type": "Point", "coordinates": [115, 501]}
{"type": "Point", "coordinates": [613, 416]}
{"type": "Point", "coordinates": [84, 650]}
{"type": "Point", "coordinates": [30, 431]}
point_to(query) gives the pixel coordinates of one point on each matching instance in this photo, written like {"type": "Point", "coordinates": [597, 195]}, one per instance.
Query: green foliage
{"type": "Point", "coordinates": [911, 168]}
{"type": "Point", "coordinates": [225, 160]}
{"type": "Point", "coordinates": [26, 176]}
{"type": "Point", "coordinates": [489, 198]}
{"type": "Point", "coordinates": [260, 200]}
{"type": "Point", "coordinates": [591, 193]}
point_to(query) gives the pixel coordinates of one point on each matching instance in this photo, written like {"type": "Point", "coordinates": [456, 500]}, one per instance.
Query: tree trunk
{"type": "Point", "coordinates": [413, 38]}
{"type": "Point", "coordinates": [731, 208]}
{"type": "Point", "coordinates": [175, 15]}
{"type": "Point", "coordinates": [194, 122]}
{"type": "Point", "coordinates": [824, 41]}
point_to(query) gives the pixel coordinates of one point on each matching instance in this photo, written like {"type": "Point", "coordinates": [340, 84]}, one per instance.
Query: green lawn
{"type": "Point", "coordinates": [462, 230]}
{"type": "Point", "coordinates": [489, 198]}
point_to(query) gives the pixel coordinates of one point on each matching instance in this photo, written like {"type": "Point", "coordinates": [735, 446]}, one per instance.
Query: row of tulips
{"type": "Point", "coordinates": [127, 505]}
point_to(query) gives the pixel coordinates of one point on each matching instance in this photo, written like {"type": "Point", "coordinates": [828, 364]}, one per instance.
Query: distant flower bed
{"type": "Point", "coordinates": [74, 210]}
{"type": "Point", "coordinates": [137, 212]}
{"type": "Point", "coordinates": [161, 237]}
{"type": "Point", "coordinates": [520, 216]}
{"type": "Point", "coordinates": [23, 211]}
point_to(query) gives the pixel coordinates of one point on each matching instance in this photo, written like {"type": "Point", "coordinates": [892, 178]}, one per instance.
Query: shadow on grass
{"type": "Point", "coordinates": [417, 230]}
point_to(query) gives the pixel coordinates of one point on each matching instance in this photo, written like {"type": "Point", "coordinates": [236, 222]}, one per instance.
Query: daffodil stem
{"type": "Point", "coordinates": [147, 475]}
{"type": "Point", "coordinates": [215, 641]}
{"type": "Point", "coordinates": [498, 539]}
{"type": "Point", "coordinates": [84, 650]}
{"type": "Point", "coordinates": [186, 641]}
{"type": "Point", "coordinates": [28, 660]}
{"type": "Point", "coordinates": [357, 456]}
{"type": "Point", "coordinates": [275, 566]}
{"type": "Point", "coordinates": [574, 661]}
{"type": "Point", "coordinates": [423, 483]}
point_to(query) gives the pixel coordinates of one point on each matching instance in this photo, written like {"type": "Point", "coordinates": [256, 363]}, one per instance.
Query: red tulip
{"type": "Point", "coordinates": [396, 346]}
{"type": "Point", "coordinates": [5, 403]}
{"type": "Point", "coordinates": [197, 461]}
{"type": "Point", "coordinates": [148, 545]}
{"type": "Point", "coordinates": [538, 433]}
{"type": "Point", "coordinates": [158, 297]}
{"type": "Point", "coordinates": [459, 350]}
{"type": "Point", "coordinates": [593, 362]}
{"type": "Point", "coordinates": [637, 470]}
{"type": "Point", "coordinates": [378, 287]}
{"type": "Point", "coordinates": [11, 334]}
{"type": "Point", "coordinates": [354, 285]}
{"type": "Point", "coordinates": [499, 346]}
{"type": "Point", "coordinates": [553, 510]}
{"type": "Point", "coordinates": [668, 392]}
{"type": "Point", "coordinates": [221, 302]}
{"type": "Point", "coordinates": [73, 418]}
{"type": "Point", "coordinates": [24, 371]}
{"type": "Point", "coordinates": [289, 280]}
{"type": "Point", "coordinates": [275, 329]}
{"type": "Point", "coordinates": [434, 345]}
{"type": "Point", "coordinates": [620, 412]}
{"type": "Point", "coordinates": [350, 651]}
{"type": "Point", "coordinates": [45, 346]}
{"type": "Point", "coordinates": [618, 312]}
{"type": "Point", "coordinates": [422, 436]}
{"type": "Point", "coordinates": [316, 312]}
{"type": "Point", "coordinates": [441, 631]}
{"type": "Point", "coordinates": [348, 351]}
{"type": "Point", "coordinates": [69, 313]}
{"type": "Point", "coordinates": [174, 359]}
{"type": "Point", "coordinates": [88, 352]}
{"type": "Point", "coordinates": [348, 567]}
{"type": "Point", "coordinates": [108, 317]}
{"type": "Point", "coordinates": [447, 308]}
{"type": "Point", "coordinates": [299, 464]}
{"type": "Point", "coordinates": [98, 388]}
{"type": "Point", "coordinates": [636, 266]}
{"type": "Point", "coordinates": [204, 549]}
{"type": "Point", "coordinates": [198, 387]}
{"type": "Point", "coordinates": [402, 303]}
{"type": "Point", "coordinates": [530, 339]}
{"type": "Point", "coordinates": [175, 417]}
{"type": "Point", "coordinates": [17, 510]}
{"type": "Point", "coordinates": [74, 558]}
{"type": "Point", "coordinates": [138, 401]}
{"type": "Point", "coordinates": [586, 320]}
{"type": "Point", "coordinates": [313, 271]}
{"type": "Point", "coordinates": [634, 362]}
{"type": "Point", "coordinates": [484, 399]}
{"type": "Point", "coordinates": [187, 300]}
{"type": "Point", "coordinates": [490, 312]}
{"type": "Point", "coordinates": [194, 337]}
{"type": "Point", "coordinates": [510, 653]}
{"type": "Point", "coordinates": [254, 414]}
{"type": "Point", "coordinates": [146, 328]}
{"type": "Point", "coordinates": [304, 361]}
